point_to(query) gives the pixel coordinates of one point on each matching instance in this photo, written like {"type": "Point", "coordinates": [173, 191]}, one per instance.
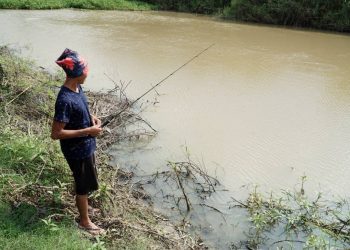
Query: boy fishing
{"type": "Point", "coordinates": [76, 129]}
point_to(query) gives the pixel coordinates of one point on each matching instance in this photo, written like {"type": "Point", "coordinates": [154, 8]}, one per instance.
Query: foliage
{"type": "Point", "coordinates": [27, 154]}
{"type": "Point", "coordinates": [320, 14]}
{"type": "Point", "coordinates": [196, 6]}
{"type": "Point", "coordinates": [80, 4]}
{"type": "Point", "coordinates": [295, 218]}
{"type": "Point", "coordinates": [98, 245]}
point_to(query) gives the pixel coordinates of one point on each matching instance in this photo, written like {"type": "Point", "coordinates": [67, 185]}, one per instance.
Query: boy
{"type": "Point", "coordinates": [76, 129]}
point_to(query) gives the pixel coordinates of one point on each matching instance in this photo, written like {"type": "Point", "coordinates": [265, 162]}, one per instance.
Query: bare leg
{"type": "Point", "coordinates": [82, 204]}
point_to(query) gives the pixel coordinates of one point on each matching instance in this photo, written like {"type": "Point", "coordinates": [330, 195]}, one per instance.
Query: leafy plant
{"type": "Point", "coordinates": [98, 245]}
{"type": "Point", "coordinates": [297, 218]}
{"type": "Point", "coordinates": [51, 225]}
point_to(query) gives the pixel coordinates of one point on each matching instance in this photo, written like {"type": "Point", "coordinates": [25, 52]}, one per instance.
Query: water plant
{"type": "Point", "coordinates": [296, 219]}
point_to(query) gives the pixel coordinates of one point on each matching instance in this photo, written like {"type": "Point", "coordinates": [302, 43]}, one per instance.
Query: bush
{"type": "Point", "coordinates": [325, 14]}
{"type": "Point", "coordinates": [196, 6]}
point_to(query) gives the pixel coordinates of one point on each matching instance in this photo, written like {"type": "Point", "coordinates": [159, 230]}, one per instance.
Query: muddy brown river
{"type": "Point", "coordinates": [263, 106]}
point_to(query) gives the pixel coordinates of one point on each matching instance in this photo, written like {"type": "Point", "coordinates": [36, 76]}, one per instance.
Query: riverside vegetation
{"type": "Point", "coordinates": [78, 4]}
{"type": "Point", "coordinates": [318, 14]}
{"type": "Point", "coordinates": [37, 208]}
{"type": "Point", "coordinates": [295, 220]}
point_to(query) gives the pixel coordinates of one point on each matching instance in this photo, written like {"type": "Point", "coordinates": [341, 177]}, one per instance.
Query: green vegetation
{"type": "Point", "coordinates": [20, 229]}
{"type": "Point", "coordinates": [318, 14]}
{"type": "Point", "coordinates": [194, 6]}
{"type": "Point", "coordinates": [296, 219]}
{"type": "Point", "coordinates": [27, 154]}
{"type": "Point", "coordinates": [78, 4]}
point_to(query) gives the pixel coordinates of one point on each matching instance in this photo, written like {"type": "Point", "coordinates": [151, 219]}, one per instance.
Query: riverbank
{"type": "Point", "coordinates": [77, 4]}
{"type": "Point", "coordinates": [332, 16]}
{"type": "Point", "coordinates": [36, 193]}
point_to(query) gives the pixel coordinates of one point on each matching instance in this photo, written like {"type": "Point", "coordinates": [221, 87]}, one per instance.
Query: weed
{"type": "Point", "coordinates": [297, 219]}
{"type": "Point", "coordinates": [51, 225]}
{"type": "Point", "coordinates": [98, 245]}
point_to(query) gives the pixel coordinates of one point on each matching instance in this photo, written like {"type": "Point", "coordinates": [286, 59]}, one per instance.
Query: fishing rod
{"type": "Point", "coordinates": [113, 116]}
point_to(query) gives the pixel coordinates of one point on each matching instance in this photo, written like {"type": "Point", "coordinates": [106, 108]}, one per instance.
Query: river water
{"type": "Point", "coordinates": [263, 106]}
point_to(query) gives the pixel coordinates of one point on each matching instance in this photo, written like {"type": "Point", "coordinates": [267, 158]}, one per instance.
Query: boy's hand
{"type": "Point", "coordinates": [96, 121]}
{"type": "Point", "coordinates": [95, 130]}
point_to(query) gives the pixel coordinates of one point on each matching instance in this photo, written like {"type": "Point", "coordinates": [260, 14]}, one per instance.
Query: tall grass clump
{"type": "Point", "coordinates": [26, 107]}
{"type": "Point", "coordinates": [29, 160]}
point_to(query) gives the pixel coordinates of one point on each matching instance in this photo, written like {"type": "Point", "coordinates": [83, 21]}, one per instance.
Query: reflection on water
{"type": "Point", "coordinates": [264, 105]}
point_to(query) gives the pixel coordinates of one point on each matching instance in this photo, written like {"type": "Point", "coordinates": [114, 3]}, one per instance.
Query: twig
{"type": "Point", "coordinates": [147, 123]}
{"type": "Point", "coordinates": [121, 89]}
{"type": "Point", "coordinates": [19, 95]}
{"type": "Point", "coordinates": [240, 203]}
{"type": "Point", "coordinates": [215, 209]}
{"type": "Point", "coordinates": [182, 188]}
{"type": "Point", "coordinates": [37, 179]}
{"type": "Point", "coordinates": [149, 230]}
{"type": "Point", "coordinates": [294, 241]}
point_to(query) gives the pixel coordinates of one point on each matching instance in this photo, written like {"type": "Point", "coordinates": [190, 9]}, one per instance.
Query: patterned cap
{"type": "Point", "coordinates": [73, 64]}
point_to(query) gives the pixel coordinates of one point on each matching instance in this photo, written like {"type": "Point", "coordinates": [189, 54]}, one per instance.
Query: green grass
{"type": "Point", "coordinates": [26, 159]}
{"type": "Point", "coordinates": [27, 153]}
{"type": "Point", "coordinates": [80, 4]}
{"type": "Point", "coordinates": [21, 229]}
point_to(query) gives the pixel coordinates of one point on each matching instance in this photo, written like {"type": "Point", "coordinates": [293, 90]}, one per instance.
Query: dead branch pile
{"type": "Point", "coordinates": [118, 197]}
{"type": "Point", "coordinates": [129, 125]}
{"type": "Point", "coordinates": [188, 184]}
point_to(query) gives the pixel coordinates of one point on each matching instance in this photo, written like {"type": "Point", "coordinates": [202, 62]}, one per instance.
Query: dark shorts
{"type": "Point", "coordinates": [85, 174]}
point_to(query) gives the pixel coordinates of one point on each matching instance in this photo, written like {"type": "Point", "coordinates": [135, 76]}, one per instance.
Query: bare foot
{"type": "Point", "coordinates": [91, 228]}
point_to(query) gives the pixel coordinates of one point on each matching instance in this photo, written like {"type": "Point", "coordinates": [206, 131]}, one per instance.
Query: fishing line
{"type": "Point", "coordinates": [113, 116]}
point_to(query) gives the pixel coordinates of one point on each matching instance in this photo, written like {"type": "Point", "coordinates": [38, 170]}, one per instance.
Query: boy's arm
{"type": "Point", "coordinates": [58, 131]}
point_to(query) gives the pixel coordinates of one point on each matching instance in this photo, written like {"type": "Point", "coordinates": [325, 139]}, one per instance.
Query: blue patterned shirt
{"type": "Point", "coordinates": [72, 109]}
